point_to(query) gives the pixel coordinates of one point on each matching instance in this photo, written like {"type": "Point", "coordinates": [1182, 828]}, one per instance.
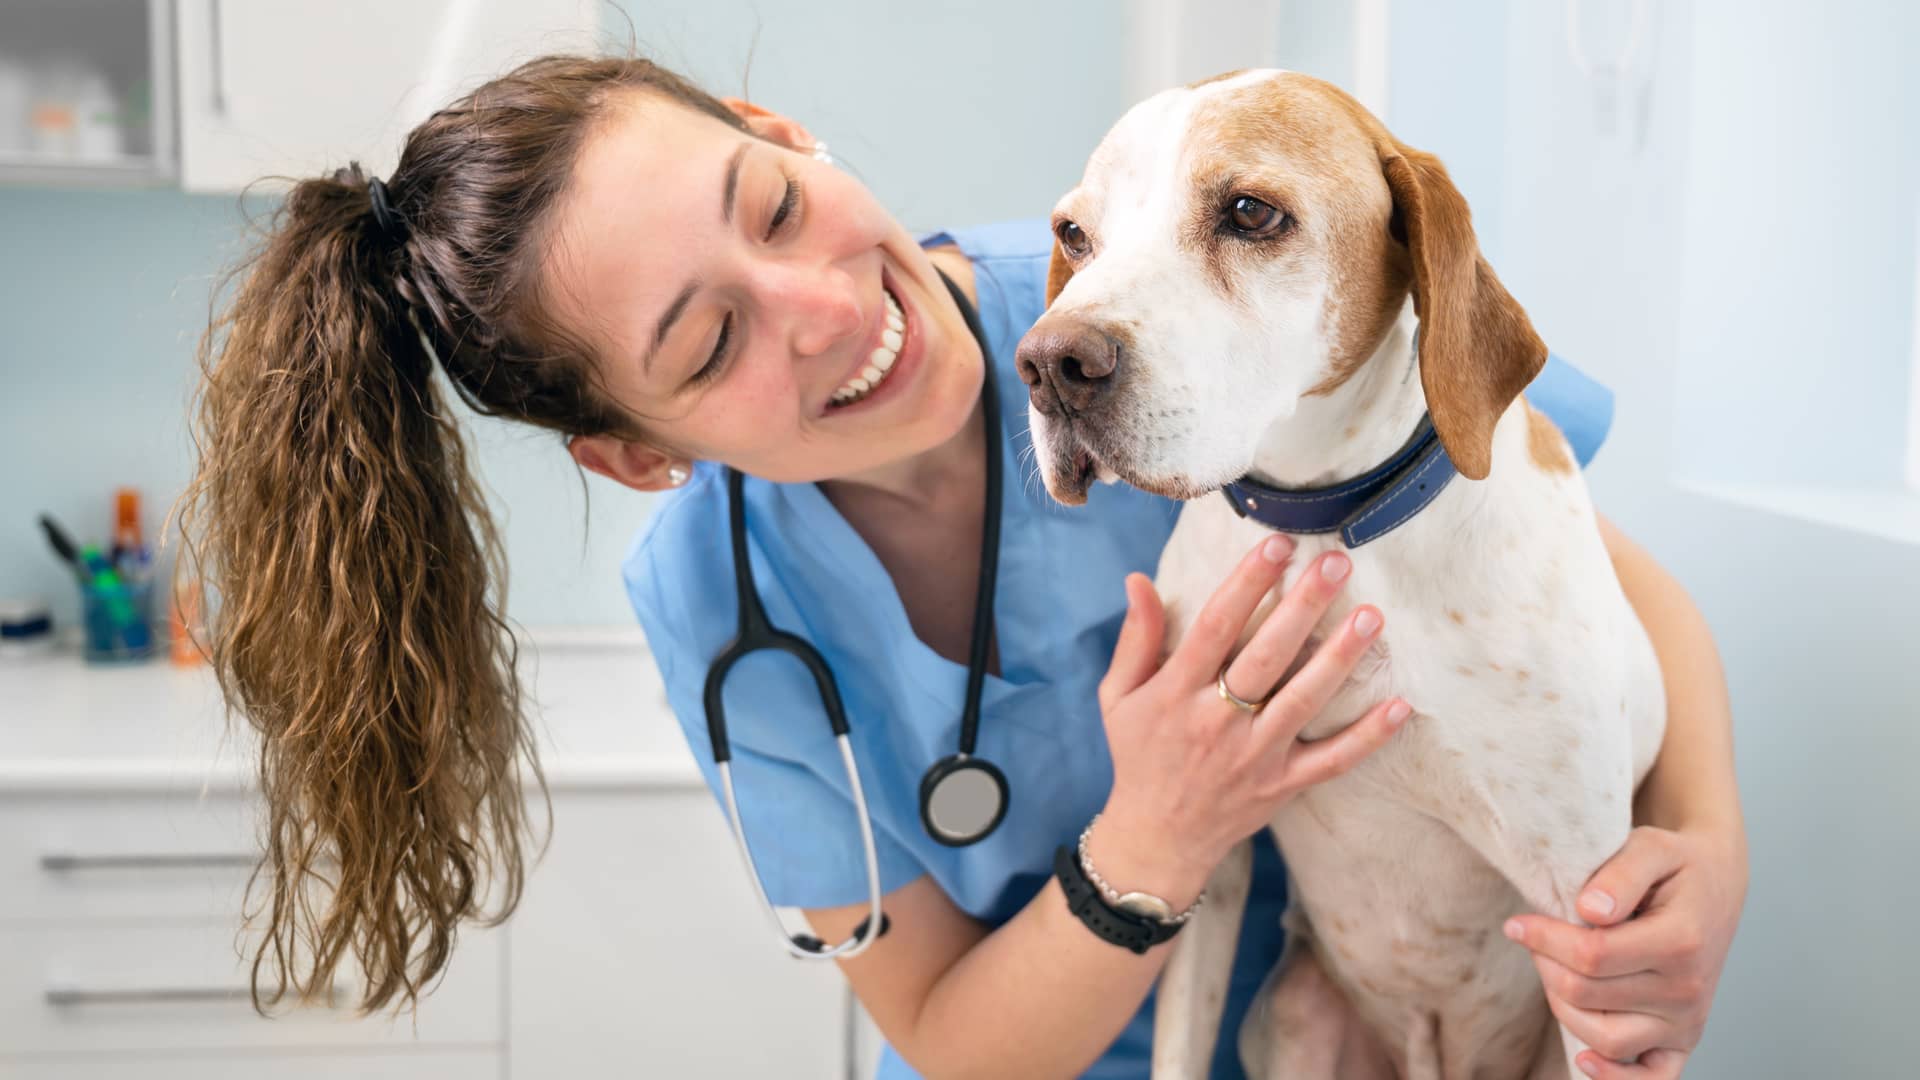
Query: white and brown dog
{"type": "Point", "coordinates": [1243, 271]}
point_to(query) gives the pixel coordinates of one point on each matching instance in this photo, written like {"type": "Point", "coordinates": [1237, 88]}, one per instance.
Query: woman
{"type": "Point", "coordinates": [677, 283]}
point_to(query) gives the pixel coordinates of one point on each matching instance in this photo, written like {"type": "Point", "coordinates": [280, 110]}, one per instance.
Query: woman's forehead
{"type": "Point", "coordinates": [645, 196]}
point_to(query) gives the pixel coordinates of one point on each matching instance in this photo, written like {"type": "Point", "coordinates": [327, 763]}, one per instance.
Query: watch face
{"type": "Point", "coordinates": [1147, 904]}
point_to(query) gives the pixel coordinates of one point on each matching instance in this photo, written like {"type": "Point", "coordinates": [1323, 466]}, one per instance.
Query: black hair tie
{"type": "Point", "coordinates": [384, 215]}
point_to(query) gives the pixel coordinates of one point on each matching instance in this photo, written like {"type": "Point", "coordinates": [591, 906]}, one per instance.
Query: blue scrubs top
{"type": "Point", "coordinates": [1058, 607]}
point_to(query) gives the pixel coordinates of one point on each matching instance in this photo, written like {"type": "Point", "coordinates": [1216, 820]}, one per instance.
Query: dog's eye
{"type": "Point", "coordinates": [1072, 238]}
{"type": "Point", "coordinates": [1251, 217]}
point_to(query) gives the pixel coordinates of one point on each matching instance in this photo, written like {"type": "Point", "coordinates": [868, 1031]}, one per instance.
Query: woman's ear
{"type": "Point", "coordinates": [632, 464]}
{"type": "Point", "coordinates": [771, 125]}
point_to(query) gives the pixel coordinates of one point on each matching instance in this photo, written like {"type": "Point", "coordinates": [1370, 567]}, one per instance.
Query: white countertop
{"type": "Point", "coordinates": [598, 711]}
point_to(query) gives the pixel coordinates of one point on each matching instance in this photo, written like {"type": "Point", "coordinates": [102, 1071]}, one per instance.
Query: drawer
{"type": "Point", "coordinates": [406, 1065]}
{"type": "Point", "coordinates": [70, 990]}
{"type": "Point", "coordinates": [67, 859]}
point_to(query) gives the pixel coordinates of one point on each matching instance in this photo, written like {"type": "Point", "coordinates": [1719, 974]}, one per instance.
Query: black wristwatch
{"type": "Point", "coordinates": [1123, 928]}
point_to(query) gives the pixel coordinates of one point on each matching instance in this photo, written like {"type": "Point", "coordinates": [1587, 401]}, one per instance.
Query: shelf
{"type": "Point", "coordinates": [20, 167]}
{"type": "Point", "coordinates": [1888, 513]}
{"type": "Point", "coordinates": [599, 715]}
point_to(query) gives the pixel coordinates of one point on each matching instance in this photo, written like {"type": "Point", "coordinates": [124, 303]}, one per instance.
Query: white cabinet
{"type": "Point", "coordinates": [120, 929]}
{"type": "Point", "coordinates": [128, 827]}
{"type": "Point", "coordinates": [86, 92]}
{"type": "Point", "coordinates": [296, 88]}
{"type": "Point", "coordinates": [639, 942]}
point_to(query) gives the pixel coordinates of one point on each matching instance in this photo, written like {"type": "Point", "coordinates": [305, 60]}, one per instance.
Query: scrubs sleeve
{"type": "Point", "coordinates": [798, 817]}
{"type": "Point", "coordinates": [1581, 407]}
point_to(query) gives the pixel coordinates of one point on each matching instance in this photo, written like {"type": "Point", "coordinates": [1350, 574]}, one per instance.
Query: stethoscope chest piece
{"type": "Point", "coordinates": [962, 799]}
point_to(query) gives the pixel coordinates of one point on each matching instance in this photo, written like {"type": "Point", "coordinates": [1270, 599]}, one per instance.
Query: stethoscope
{"type": "Point", "coordinates": [963, 796]}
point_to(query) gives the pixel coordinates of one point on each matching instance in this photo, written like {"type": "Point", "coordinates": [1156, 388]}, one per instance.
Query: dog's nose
{"type": "Point", "coordinates": [1066, 362]}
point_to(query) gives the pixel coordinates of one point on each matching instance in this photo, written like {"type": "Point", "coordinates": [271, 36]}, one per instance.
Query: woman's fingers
{"type": "Point", "coordinates": [1259, 666]}
{"type": "Point", "coordinates": [1316, 762]}
{"type": "Point", "coordinates": [1307, 693]}
{"type": "Point", "coordinates": [1219, 623]}
{"type": "Point", "coordinates": [1136, 656]}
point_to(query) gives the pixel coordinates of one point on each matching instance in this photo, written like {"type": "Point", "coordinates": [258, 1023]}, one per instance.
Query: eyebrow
{"type": "Point", "coordinates": [730, 187]}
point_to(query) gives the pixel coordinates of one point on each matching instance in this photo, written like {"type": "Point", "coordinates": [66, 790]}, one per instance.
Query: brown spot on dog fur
{"type": "Point", "coordinates": [1309, 150]}
{"type": "Point", "coordinates": [1542, 841]}
{"type": "Point", "coordinates": [1495, 665]}
{"type": "Point", "coordinates": [1523, 675]}
{"type": "Point", "coordinates": [1456, 617]}
{"type": "Point", "coordinates": [1545, 444]}
{"type": "Point", "coordinates": [1059, 272]}
{"type": "Point", "coordinates": [1222, 77]}
{"type": "Point", "coordinates": [1464, 670]}
{"type": "Point", "coordinates": [1551, 696]}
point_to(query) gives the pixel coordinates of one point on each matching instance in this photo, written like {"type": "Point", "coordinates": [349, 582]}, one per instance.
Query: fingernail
{"type": "Point", "coordinates": [1275, 550]}
{"type": "Point", "coordinates": [1514, 929]}
{"type": "Point", "coordinates": [1398, 712]}
{"type": "Point", "coordinates": [1335, 566]}
{"type": "Point", "coordinates": [1366, 622]}
{"type": "Point", "coordinates": [1588, 1066]}
{"type": "Point", "coordinates": [1598, 901]}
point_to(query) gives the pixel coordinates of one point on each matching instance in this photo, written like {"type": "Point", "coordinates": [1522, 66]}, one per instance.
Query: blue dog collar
{"type": "Point", "coordinates": [1362, 509]}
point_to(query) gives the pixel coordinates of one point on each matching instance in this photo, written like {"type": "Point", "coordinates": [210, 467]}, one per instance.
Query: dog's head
{"type": "Point", "coordinates": [1235, 247]}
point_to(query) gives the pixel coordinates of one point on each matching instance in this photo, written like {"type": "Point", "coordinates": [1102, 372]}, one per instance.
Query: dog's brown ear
{"type": "Point", "coordinates": [1058, 271]}
{"type": "Point", "coordinates": [1478, 350]}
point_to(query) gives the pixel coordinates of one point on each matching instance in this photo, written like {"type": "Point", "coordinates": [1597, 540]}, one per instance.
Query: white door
{"type": "Point", "coordinates": [295, 88]}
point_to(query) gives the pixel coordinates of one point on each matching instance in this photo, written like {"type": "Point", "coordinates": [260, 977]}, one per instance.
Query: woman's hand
{"type": "Point", "coordinates": [1194, 774]}
{"type": "Point", "coordinates": [1636, 987]}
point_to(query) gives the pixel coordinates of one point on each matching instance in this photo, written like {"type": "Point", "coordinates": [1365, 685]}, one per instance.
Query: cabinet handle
{"type": "Point", "coordinates": [217, 75]}
{"type": "Point", "coordinates": [145, 995]}
{"type": "Point", "coordinates": [68, 996]}
{"type": "Point", "coordinates": [62, 861]}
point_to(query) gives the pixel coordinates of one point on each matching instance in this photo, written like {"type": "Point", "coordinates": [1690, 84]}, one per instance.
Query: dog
{"type": "Point", "coordinates": [1255, 278]}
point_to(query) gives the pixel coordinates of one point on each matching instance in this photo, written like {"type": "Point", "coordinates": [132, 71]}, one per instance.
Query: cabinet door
{"type": "Point", "coordinates": [295, 88]}
{"type": "Point", "coordinates": [639, 941]}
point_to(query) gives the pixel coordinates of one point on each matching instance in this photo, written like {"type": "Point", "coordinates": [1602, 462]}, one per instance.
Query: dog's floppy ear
{"type": "Point", "coordinates": [1058, 271]}
{"type": "Point", "coordinates": [1477, 348]}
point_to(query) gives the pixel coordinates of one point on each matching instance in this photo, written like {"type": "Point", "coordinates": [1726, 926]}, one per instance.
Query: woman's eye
{"type": "Point", "coordinates": [789, 202]}
{"type": "Point", "coordinates": [1251, 217]}
{"type": "Point", "coordinates": [712, 367]}
{"type": "Point", "coordinates": [1073, 239]}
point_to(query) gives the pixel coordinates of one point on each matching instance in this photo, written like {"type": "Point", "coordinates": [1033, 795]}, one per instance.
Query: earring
{"type": "Point", "coordinates": [820, 153]}
{"type": "Point", "coordinates": [676, 475]}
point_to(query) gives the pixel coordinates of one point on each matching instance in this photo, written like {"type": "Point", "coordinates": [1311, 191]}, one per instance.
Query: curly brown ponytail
{"type": "Point", "coordinates": [360, 580]}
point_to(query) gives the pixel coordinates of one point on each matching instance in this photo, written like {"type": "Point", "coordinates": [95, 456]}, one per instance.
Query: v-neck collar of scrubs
{"type": "Point", "coordinates": [841, 560]}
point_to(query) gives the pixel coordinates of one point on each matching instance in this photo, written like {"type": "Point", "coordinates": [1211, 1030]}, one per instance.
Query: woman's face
{"type": "Point", "coordinates": [736, 290]}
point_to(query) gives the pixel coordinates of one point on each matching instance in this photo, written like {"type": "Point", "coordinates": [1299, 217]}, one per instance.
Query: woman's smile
{"type": "Point", "coordinates": [886, 363]}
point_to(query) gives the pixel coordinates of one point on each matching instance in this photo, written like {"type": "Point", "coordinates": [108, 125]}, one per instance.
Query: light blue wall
{"type": "Point", "coordinates": [1742, 277]}
{"type": "Point", "coordinates": [967, 112]}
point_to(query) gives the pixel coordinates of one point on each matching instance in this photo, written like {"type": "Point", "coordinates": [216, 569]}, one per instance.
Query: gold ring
{"type": "Point", "coordinates": [1233, 699]}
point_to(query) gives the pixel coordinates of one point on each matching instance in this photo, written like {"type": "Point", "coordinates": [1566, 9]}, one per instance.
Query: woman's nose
{"type": "Point", "coordinates": [820, 304]}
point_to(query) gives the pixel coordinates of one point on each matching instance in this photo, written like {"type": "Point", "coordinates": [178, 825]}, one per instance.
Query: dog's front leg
{"type": "Point", "coordinates": [1193, 988]}
{"type": "Point", "coordinates": [1547, 840]}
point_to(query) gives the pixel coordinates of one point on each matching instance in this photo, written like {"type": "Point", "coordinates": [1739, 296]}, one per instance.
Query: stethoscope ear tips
{"type": "Point", "coordinates": [809, 943]}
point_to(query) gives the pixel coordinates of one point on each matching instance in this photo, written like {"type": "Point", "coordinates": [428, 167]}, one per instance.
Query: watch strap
{"type": "Point", "coordinates": [1123, 928]}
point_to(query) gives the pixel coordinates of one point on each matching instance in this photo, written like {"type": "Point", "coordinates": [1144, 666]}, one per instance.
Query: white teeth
{"type": "Point", "coordinates": [881, 360]}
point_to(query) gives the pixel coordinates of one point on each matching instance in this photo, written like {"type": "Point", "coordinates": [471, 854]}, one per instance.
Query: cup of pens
{"type": "Point", "coordinates": [117, 611]}
{"type": "Point", "coordinates": [116, 596]}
